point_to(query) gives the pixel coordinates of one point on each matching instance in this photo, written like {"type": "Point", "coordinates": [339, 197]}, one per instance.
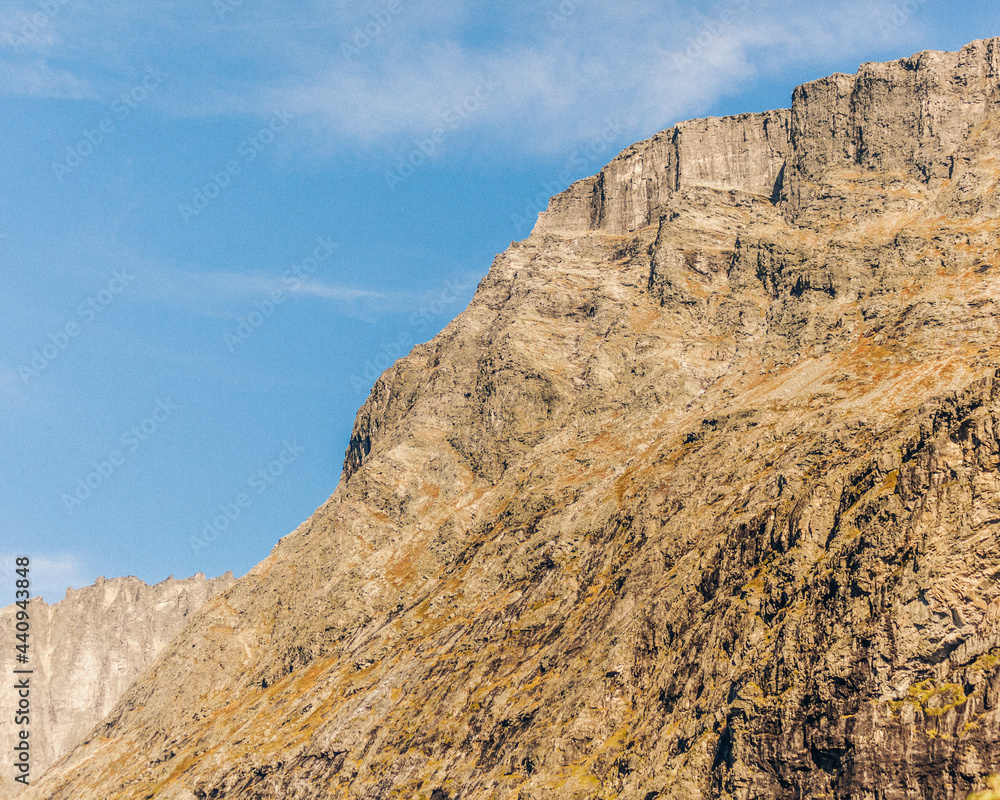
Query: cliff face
{"type": "Point", "coordinates": [907, 121]}
{"type": "Point", "coordinates": [699, 498]}
{"type": "Point", "coordinates": [745, 153]}
{"type": "Point", "coordinates": [85, 650]}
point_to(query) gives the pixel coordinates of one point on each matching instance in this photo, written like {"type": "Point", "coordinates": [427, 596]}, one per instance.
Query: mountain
{"type": "Point", "coordinates": [84, 651]}
{"type": "Point", "coordinates": [698, 498]}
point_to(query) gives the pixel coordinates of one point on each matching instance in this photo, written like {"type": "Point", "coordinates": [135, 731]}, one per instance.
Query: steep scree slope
{"type": "Point", "coordinates": [699, 498]}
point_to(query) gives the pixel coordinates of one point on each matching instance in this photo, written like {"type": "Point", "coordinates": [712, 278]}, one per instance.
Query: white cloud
{"type": "Point", "coordinates": [326, 292]}
{"type": "Point", "coordinates": [23, 30]}
{"type": "Point", "coordinates": [29, 36]}
{"type": "Point", "coordinates": [12, 389]}
{"type": "Point", "coordinates": [237, 286]}
{"type": "Point", "coordinates": [35, 78]}
{"type": "Point", "coordinates": [50, 575]}
{"type": "Point", "coordinates": [556, 77]}
{"type": "Point", "coordinates": [224, 294]}
{"type": "Point", "coordinates": [232, 290]}
{"type": "Point", "coordinates": [557, 82]}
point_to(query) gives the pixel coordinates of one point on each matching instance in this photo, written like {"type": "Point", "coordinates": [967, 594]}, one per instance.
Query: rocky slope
{"type": "Point", "coordinates": [699, 498]}
{"type": "Point", "coordinates": [85, 650]}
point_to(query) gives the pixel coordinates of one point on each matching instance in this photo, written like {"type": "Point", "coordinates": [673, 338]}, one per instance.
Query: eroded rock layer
{"type": "Point", "coordinates": [699, 498]}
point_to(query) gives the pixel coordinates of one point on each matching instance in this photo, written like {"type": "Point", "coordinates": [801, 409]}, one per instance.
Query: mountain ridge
{"type": "Point", "coordinates": [698, 498]}
{"type": "Point", "coordinates": [86, 649]}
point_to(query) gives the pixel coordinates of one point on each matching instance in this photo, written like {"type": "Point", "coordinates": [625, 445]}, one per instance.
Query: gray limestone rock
{"type": "Point", "coordinates": [85, 651]}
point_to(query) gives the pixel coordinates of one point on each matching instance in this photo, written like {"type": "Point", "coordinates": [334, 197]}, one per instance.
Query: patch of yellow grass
{"type": "Point", "coordinates": [991, 793]}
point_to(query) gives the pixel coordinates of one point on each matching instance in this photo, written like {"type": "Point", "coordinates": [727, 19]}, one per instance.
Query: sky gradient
{"type": "Point", "coordinates": [222, 219]}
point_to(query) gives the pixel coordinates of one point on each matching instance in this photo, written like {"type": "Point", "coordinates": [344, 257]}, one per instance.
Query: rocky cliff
{"type": "Point", "coordinates": [699, 498]}
{"type": "Point", "coordinates": [85, 650]}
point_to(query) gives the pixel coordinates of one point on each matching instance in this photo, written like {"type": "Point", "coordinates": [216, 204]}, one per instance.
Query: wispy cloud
{"type": "Point", "coordinates": [221, 293]}
{"type": "Point", "coordinates": [36, 78]}
{"type": "Point", "coordinates": [12, 389]}
{"type": "Point", "coordinates": [557, 81]}
{"type": "Point", "coordinates": [559, 68]}
{"type": "Point", "coordinates": [29, 37]}
{"type": "Point", "coordinates": [229, 289]}
{"type": "Point", "coordinates": [326, 292]}
{"type": "Point", "coordinates": [50, 574]}
{"type": "Point", "coordinates": [228, 292]}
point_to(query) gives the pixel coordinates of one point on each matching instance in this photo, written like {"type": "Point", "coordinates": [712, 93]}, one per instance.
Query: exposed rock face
{"type": "Point", "coordinates": [85, 650]}
{"type": "Point", "coordinates": [699, 498]}
{"type": "Point", "coordinates": [745, 153]}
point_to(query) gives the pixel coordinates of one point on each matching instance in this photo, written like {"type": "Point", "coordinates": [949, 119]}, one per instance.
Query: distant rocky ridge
{"type": "Point", "coordinates": [699, 498]}
{"type": "Point", "coordinates": [85, 650]}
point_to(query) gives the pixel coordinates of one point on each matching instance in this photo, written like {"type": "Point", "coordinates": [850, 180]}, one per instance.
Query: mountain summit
{"type": "Point", "coordinates": [699, 498]}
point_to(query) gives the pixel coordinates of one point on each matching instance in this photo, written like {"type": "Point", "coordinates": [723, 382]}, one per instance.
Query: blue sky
{"type": "Point", "coordinates": [221, 219]}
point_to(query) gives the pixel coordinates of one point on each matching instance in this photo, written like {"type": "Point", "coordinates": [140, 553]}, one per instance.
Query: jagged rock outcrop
{"type": "Point", "coordinates": [85, 650]}
{"type": "Point", "coordinates": [699, 498]}
{"type": "Point", "coordinates": [747, 153]}
{"type": "Point", "coordinates": [907, 121]}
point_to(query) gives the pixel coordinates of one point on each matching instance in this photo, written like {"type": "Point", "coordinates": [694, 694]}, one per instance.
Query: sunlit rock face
{"type": "Point", "coordinates": [699, 498]}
